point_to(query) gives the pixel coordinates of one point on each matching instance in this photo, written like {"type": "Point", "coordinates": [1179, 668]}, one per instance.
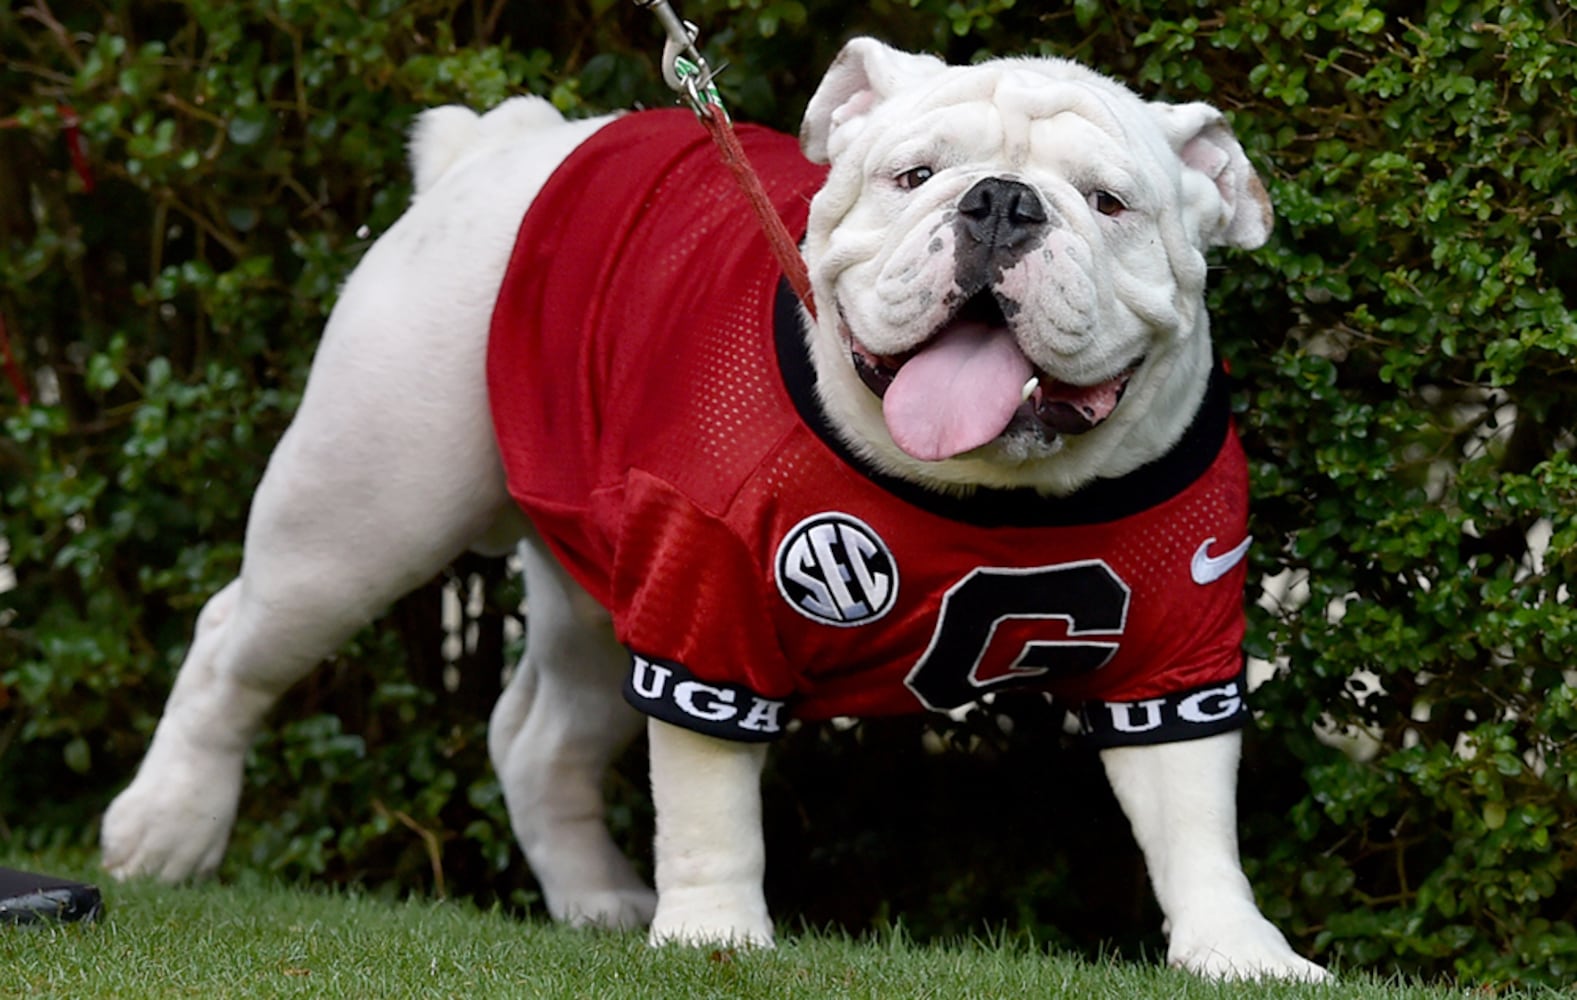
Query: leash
{"type": "Point", "coordinates": [686, 72]}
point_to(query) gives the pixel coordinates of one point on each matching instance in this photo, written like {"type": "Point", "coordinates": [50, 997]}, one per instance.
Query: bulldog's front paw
{"type": "Point", "coordinates": [711, 915]}
{"type": "Point", "coordinates": [174, 820]}
{"type": "Point", "coordinates": [1233, 941]}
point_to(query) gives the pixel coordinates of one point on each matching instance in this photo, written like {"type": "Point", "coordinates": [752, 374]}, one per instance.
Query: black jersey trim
{"type": "Point", "coordinates": [667, 690]}
{"type": "Point", "coordinates": [1102, 501]}
{"type": "Point", "coordinates": [1193, 714]}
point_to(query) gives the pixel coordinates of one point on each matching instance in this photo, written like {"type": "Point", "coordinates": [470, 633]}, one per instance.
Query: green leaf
{"type": "Point", "coordinates": [249, 125]}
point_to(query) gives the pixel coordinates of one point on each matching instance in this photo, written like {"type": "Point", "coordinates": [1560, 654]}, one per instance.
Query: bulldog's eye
{"type": "Point", "coordinates": [914, 177]}
{"type": "Point", "coordinates": [1107, 203]}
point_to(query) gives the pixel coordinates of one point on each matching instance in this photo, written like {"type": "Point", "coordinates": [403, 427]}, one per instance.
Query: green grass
{"type": "Point", "coordinates": [252, 938]}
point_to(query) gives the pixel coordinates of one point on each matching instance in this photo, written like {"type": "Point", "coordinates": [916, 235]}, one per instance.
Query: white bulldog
{"type": "Point", "coordinates": [1008, 261]}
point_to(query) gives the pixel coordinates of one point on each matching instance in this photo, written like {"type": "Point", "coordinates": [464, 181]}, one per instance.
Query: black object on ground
{"type": "Point", "coordinates": [27, 898]}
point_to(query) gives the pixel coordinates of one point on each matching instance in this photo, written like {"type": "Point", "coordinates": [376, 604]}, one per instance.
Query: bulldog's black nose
{"type": "Point", "coordinates": [1002, 215]}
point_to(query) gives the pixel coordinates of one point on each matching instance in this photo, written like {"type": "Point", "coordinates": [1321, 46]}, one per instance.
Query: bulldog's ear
{"type": "Point", "coordinates": [1204, 142]}
{"type": "Point", "coordinates": [863, 75]}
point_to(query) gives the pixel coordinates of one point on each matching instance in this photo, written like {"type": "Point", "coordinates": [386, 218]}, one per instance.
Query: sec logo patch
{"type": "Point", "coordinates": [835, 569]}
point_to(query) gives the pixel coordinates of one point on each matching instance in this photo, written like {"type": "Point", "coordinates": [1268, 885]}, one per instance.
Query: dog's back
{"type": "Point", "coordinates": [441, 137]}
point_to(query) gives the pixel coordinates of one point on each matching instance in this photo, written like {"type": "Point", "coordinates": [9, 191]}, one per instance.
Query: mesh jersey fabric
{"type": "Point", "coordinates": [654, 408]}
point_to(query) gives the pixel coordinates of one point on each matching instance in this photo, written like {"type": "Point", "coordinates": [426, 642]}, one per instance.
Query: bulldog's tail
{"type": "Point", "coordinates": [443, 136]}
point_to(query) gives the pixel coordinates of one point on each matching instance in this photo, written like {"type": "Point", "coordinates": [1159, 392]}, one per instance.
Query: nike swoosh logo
{"type": "Point", "coordinates": [1207, 568]}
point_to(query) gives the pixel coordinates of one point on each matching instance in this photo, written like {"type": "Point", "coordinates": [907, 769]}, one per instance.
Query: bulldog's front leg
{"type": "Point", "coordinates": [1181, 800]}
{"type": "Point", "coordinates": [710, 854]}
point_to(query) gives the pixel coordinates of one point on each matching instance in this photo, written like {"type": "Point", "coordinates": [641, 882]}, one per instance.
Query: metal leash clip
{"type": "Point", "coordinates": [684, 68]}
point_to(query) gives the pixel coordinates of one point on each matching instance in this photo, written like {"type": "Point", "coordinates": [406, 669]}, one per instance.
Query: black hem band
{"type": "Point", "coordinates": [666, 690]}
{"type": "Point", "coordinates": [1193, 714]}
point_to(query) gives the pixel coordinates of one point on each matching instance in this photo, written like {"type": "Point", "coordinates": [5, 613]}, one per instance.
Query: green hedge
{"type": "Point", "coordinates": [1408, 358]}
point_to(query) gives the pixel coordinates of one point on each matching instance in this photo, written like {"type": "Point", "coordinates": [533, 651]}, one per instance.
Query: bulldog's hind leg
{"type": "Point", "coordinates": [1181, 800]}
{"type": "Point", "coordinates": [559, 724]}
{"type": "Point", "coordinates": [388, 472]}
{"type": "Point", "coordinates": [320, 562]}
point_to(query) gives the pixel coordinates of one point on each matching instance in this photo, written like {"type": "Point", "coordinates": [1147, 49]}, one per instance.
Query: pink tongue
{"type": "Point", "coordinates": [958, 393]}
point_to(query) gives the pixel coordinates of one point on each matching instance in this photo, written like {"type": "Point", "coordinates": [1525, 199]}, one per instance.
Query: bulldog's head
{"type": "Point", "coordinates": [1009, 265]}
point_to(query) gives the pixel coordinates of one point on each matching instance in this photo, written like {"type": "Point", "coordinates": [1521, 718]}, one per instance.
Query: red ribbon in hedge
{"type": "Point", "coordinates": [70, 123]}
{"type": "Point", "coordinates": [12, 370]}
{"type": "Point", "coordinates": [70, 127]}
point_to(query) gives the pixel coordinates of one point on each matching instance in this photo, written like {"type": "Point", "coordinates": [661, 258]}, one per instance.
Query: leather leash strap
{"type": "Point", "coordinates": [686, 71]}
{"type": "Point", "coordinates": [778, 237]}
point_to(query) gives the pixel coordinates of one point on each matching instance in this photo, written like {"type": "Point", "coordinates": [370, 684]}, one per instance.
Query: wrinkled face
{"type": "Point", "coordinates": [1009, 255]}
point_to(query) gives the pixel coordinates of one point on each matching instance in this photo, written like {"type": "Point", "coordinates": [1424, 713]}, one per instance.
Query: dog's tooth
{"type": "Point", "coordinates": [1029, 389]}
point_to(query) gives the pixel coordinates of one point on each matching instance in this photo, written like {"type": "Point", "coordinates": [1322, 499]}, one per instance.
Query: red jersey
{"type": "Point", "coordinates": [655, 408]}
